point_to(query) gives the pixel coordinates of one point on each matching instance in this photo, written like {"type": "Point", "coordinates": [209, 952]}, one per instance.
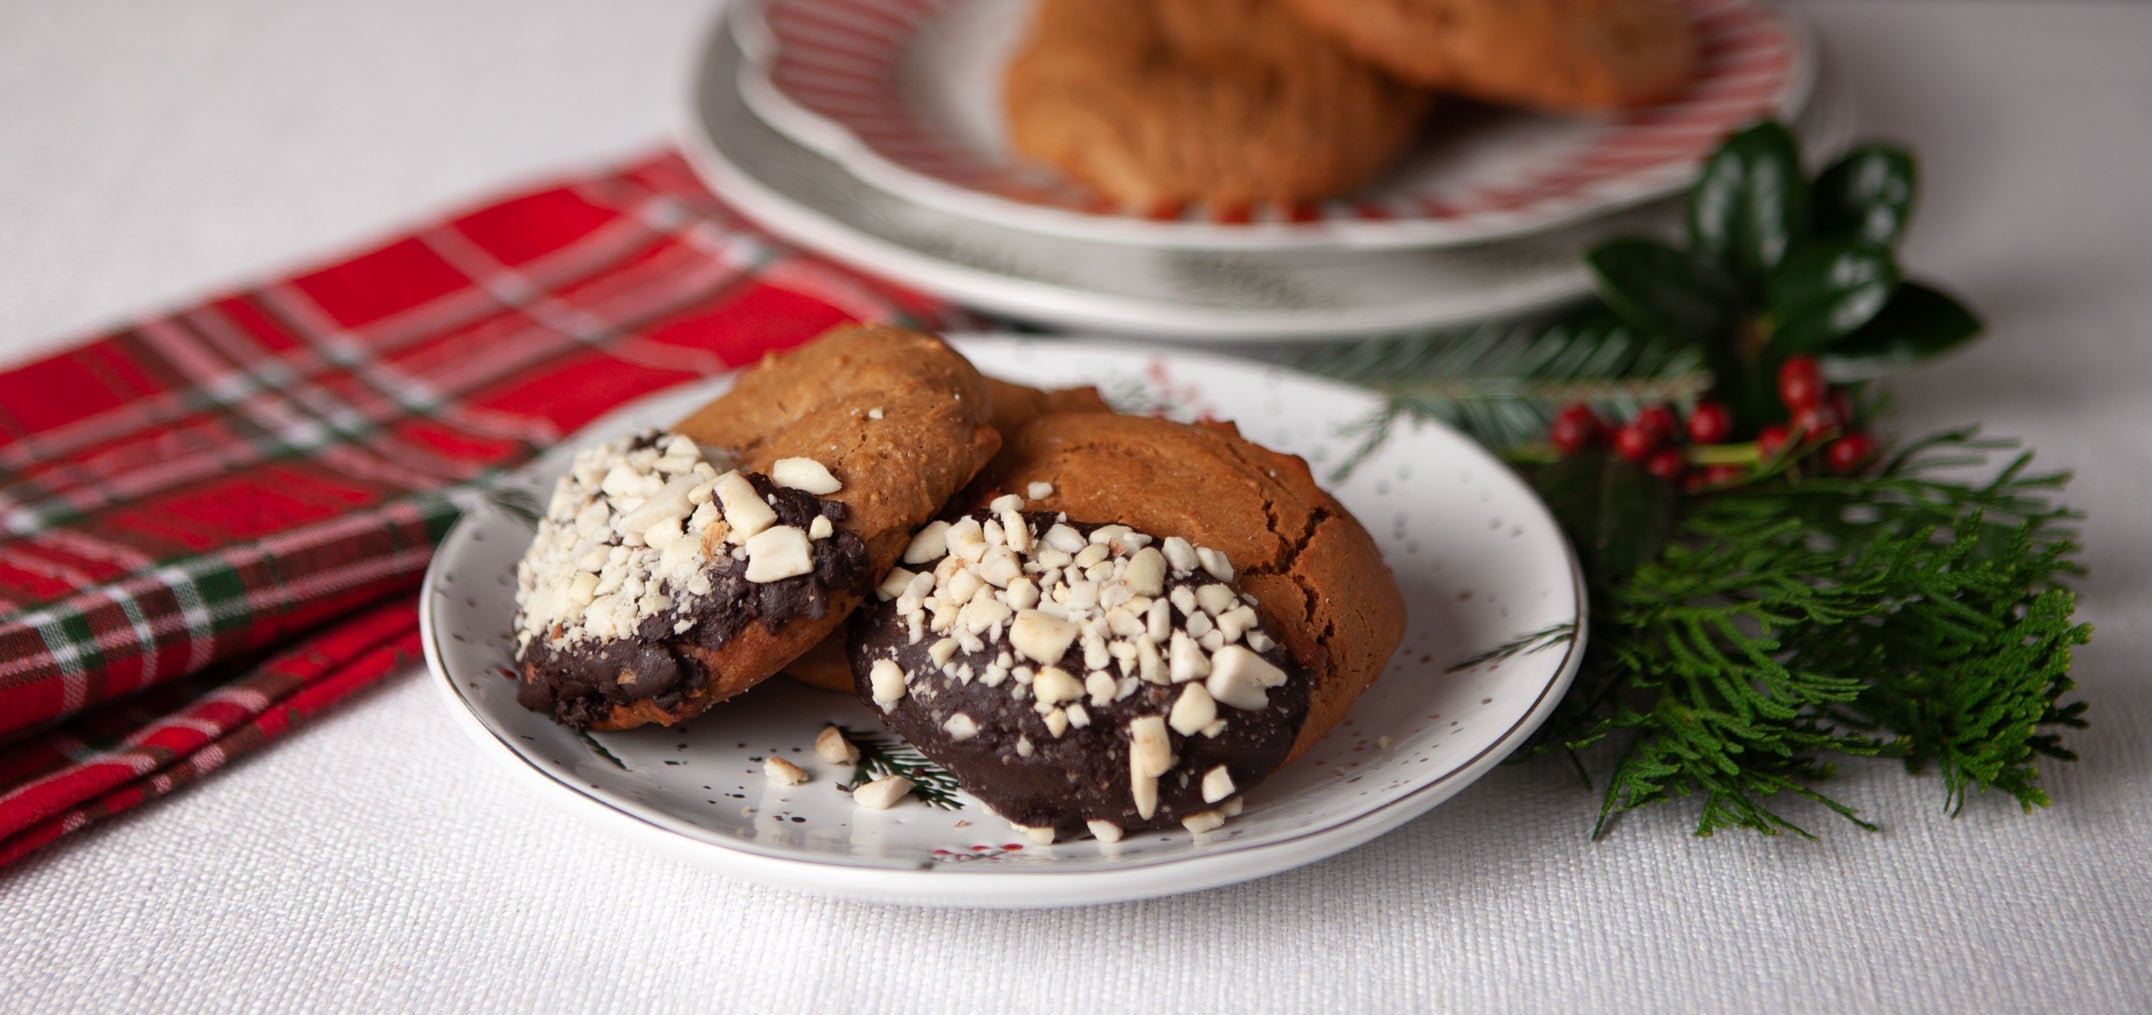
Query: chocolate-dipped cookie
{"type": "Point", "coordinates": [1272, 600]}
{"type": "Point", "coordinates": [1079, 673]}
{"type": "Point", "coordinates": [676, 569]}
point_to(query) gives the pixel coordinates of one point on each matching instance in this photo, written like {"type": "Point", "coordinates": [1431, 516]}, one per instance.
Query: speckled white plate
{"type": "Point", "coordinates": [1479, 558]}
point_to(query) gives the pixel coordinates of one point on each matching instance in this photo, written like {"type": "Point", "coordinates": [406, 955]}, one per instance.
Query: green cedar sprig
{"type": "Point", "coordinates": [1800, 618]}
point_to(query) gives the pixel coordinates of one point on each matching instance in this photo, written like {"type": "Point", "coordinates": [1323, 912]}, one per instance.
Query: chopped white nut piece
{"type": "Point", "coordinates": [960, 727]}
{"type": "Point", "coordinates": [1100, 685]}
{"type": "Point", "coordinates": [965, 539]}
{"type": "Point", "coordinates": [1065, 539]}
{"type": "Point", "coordinates": [1021, 594]}
{"type": "Point", "coordinates": [1078, 715]}
{"type": "Point", "coordinates": [1217, 785]}
{"type": "Point", "coordinates": [885, 679]}
{"type": "Point", "coordinates": [1216, 599]}
{"type": "Point", "coordinates": [1231, 808]}
{"type": "Point", "coordinates": [1180, 553]}
{"type": "Point", "coordinates": [1001, 566]}
{"type": "Point", "coordinates": [820, 528]}
{"type": "Point", "coordinates": [1104, 831]}
{"type": "Point", "coordinates": [1096, 553]}
{"type": "Point", "coordinates": [745, 511]}
{"type": "Point", "coordinates": [1024, 748]}
{"type": "Point", "coordinates": [928, 543]}
{"type": "Point", "coordinates": [782, 772]}
{"type": "Point", "coordinates": [1185, 660]}
{"type": "Point", "coordinates": [1142, 789]}
{"type": "Point", "coordinates": [1215, 562]}
{"type": "Point", "coordinates": [1054, 685]}
{"type": "Point", "coordinates": [1192, 711]}
{"type": "Point", "coordinates": [1039, 491]}
{"type": "Point", "coordinates": [1203, 821]}
{"type": "Point", "coordinates": [831, 746]}
{"type": "Point", "coordinates": [1158, 624]}
{"type": "Point", "coordinates": [1040, 834]}
{"type": "Point", "coordinates": [778, 552]}
{"type": "Point", "coordinates": [1014, 532]}
{"type": "Point", "coordinates": [1040, 637]}
{"type": "Point", "coordinates": [1232, 683]}
{"type": "Point", "coordinates": [1149, 665]}
{"type": "Point", "coordinates": [882, 793]}
{"type": "Point", "coordinates": [941, 651]}
{"type": "Point", "coordinates": [1057, 722]}
{"type": "Point", "coordinates": [1259, 642]}
{"type": "Point", "coordinates": [893, 584]}
{"type": "Point", "coordinates": [874, 413]}
{"type": "Point", "coordinates": [1234, 656]}
{"type": "Point", "coordinates": [1146, 574]}
{"type": "Point", "coordinates": [1149, 748]}
{"type": "Point", "coordinates": [1216, 727]}
{"type": "Point", "coordinates": [1005, 503]}
{"type": "Point", "coordinates": [804, 474]}
{"type": "Point", "coordinates": [1236, 622]}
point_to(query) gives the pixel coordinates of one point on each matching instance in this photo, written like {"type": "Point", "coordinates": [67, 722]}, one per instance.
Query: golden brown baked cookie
{"type": "Point", "coordinates": [1233, 102]}
{"type": "Point", "coordinates": [1318, 578]}
{"type": "Point", "coordinates": [681, 568]}
{"type": "Point", "coordinates": [1559, 55]}
{"type": "Point", "coordinates": [1014, 405]}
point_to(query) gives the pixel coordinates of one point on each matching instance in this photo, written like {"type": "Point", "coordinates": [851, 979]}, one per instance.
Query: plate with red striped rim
{"type": "Point", "coordinates": [906, 93]}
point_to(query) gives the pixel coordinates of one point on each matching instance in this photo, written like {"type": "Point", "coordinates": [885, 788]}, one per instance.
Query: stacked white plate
{"type": "Point", "coordinates": [870, 130]}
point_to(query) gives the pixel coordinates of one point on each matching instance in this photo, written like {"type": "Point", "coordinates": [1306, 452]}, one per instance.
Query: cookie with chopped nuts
{"type": "Point", "coordinates": [676, 569]}
{"type": "Point", "coordinates": [1317, 576]}
{"type": "Point", "coordinates": [826, 665]}
{"type": "Point", "coordinates": [1074, 673]}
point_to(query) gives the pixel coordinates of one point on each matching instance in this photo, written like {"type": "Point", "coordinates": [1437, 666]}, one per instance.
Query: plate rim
{"type": "Point", "coordinates": [748, 24]}
{"type": "Point", "coordinates": [969, 886]}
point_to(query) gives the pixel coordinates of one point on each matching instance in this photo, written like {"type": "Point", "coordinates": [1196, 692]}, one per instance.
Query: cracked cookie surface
{"type": "Point", "coordinates": [1319, 580]}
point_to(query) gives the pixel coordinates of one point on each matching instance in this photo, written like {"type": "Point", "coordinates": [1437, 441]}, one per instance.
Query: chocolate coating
{"type": "Point", "coordinates": [579, 682]}
{"type": "Point", "coordinates": [1083, 774]}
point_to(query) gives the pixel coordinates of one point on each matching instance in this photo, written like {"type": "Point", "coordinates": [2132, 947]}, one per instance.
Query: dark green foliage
{"type": "Point", "coordinates": [1802, 618]}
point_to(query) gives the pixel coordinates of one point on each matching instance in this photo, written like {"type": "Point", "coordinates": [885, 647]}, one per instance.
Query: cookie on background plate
{"type": "Point", "coordinates": [1143, 620]}
{"type": "Point", "coordinates": [1555, 55]}
{"type": "Point", "coordinates": [1159, 103]}
{"type": "Point", "coordinates": [676, 569]}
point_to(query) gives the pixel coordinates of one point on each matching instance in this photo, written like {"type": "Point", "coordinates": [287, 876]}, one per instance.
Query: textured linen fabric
{"type": "Point", "coordinates": [375, 861]}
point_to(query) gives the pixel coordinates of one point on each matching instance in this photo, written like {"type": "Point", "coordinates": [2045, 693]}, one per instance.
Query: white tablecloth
{"type": "Point", "coordinates": [377, 861]}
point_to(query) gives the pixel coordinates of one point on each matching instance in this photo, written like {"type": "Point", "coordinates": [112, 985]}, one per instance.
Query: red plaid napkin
{"type": "Point", "coordinates": [211, 522]}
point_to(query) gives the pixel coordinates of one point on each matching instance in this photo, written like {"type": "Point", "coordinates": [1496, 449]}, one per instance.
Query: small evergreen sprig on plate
{"type": "Point", "coordinates": [1754, 622]}
{"type": "Point", "coordinates": [881, 756]}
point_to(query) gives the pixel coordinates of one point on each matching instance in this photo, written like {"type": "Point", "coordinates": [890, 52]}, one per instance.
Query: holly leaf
{"type": "Point", "coordinates": [1661, 291]}
{"type": "Point", "coordinates": [1617, 515]}
{"type": "Point", "coordinates": [1751, 205]}
{"type": "Point", "coordinates": [1867, 195]}
{"type": "Point", "coordinates": [1825, 291]}
{"type": "Point", "coordinates": [1918, 323]}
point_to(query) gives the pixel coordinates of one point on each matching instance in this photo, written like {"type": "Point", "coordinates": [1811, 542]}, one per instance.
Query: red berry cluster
{"type": "Point", "coordinates": [1654, 437]}
{"type": "Point", "coordinates": [1818, 412]}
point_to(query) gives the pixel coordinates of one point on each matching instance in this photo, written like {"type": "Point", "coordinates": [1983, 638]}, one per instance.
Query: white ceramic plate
{"type": "Point", "coordinates": [906, 94]}
{"type": "Point", "coordinates": [1477, 555]}
{"type": "Point", "coordinates": [1092, 286]}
